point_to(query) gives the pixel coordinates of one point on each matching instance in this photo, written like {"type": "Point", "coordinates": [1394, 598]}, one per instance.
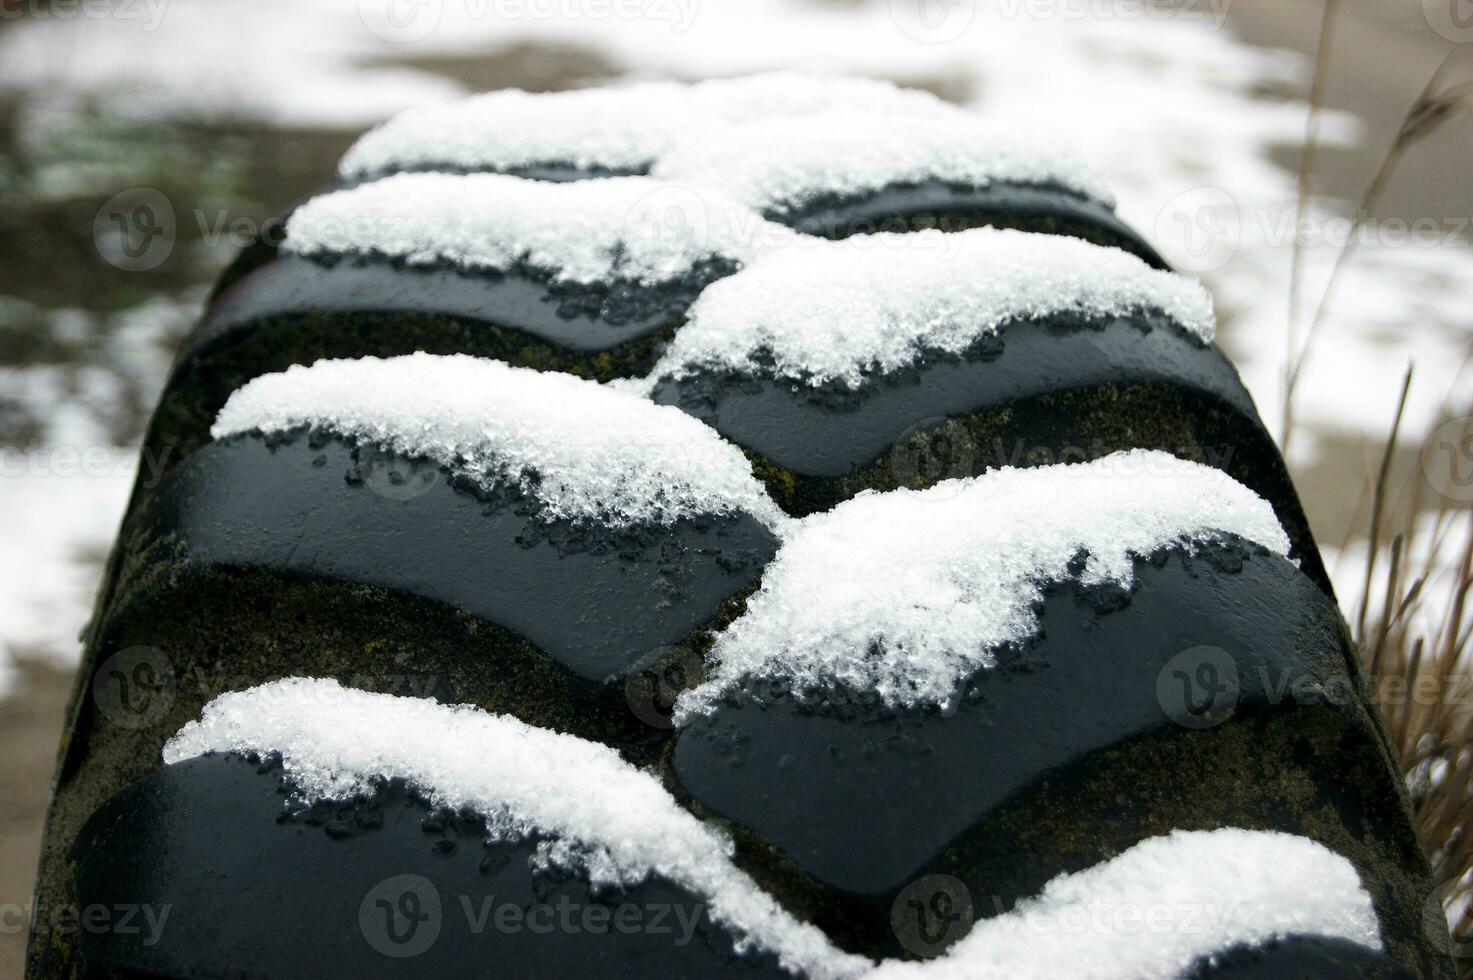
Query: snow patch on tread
{"type": "Point", "coordinates": [781, 163]}
{"type": "Point", "coordinates": [584, 451]}
{"type": "Point", "coordinates": [621, 128]}
{"type": "Point", "coordinates": [631, 229]}
{"type": "Point", "coordinates": [1203, 891]}
{"type": "Point", "coordinates": [618, 824]}
{"type": "Point", "coordinates": [822, 312]}
{"type": "Point", "coordinates": [908, 593]}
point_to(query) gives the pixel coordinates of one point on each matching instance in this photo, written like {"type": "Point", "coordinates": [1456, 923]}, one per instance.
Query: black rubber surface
{"type": "Point", "coordinates": [1220, 691]}
{"type": "Point", "coordinates": [858, 801]}
{"type": "Point", "coordinates": [830, 432]}
{"type": "Point", "coordinates": [1062, 389]}
{"type": "Point", "coordinates": [949, 207]}
{"type": "Point", "coordinates": [580, 319]}
{"type": "Point", "coordinates": [599, 603]}
{"type": "Point", "coordinates": [383, 887]}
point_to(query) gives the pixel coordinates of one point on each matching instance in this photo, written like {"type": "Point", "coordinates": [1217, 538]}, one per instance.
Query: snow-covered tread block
{"type": "Point", "coordinates": [619, 130]}
{"type": "Point", "coordinates": [449, 804]}
{"type": "Point", "coordinates": [782, 165]}
{"type": "Point", "coordinates": [1032, 667]}
{"type": "Point", "coordinates": [829, 155]}
{"type": "Point", "coordinates": [520, 540]}
{"type": "Point", "coordinates": [592, 524]}
{"type": "Point", "coordinates": [616, 129]}
{"type": "Point", "coordinates": [861, 172]}
{"type": "Point", "coordinates": [896, 360]}
{"type": "Point", "coordinates": [584, 278]}
{"type": "Point", "coordinates": [833, 156]}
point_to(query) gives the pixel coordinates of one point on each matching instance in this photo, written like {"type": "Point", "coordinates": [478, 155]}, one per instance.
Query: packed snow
{"type": "Point", "coordinates": [584, 451]}
{"type": "Point", "coordinates": [620, 128]}
{"type": "Point", "coordinates": [781, 163]}
{"type": "Point", "coordinates": [822, 311]}
{"type": "Point", "coordinates": [1201, 892]}
{"type": "Point", "coordinates": [625, 228]}
{"type": "Point", "coordinates": [908, 593]}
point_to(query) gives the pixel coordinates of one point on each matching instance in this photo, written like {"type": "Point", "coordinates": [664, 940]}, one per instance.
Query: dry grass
{"type": "Point", "coordinates": [1412, 624]}
{"type": "Point", "coordinates": [1412, 620]}
{"type": "Point", "coordinates": [1434, 106]}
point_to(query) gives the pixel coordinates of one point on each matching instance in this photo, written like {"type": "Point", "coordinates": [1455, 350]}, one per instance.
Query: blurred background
{"type": "Point", "coordinates": [1334, 269]}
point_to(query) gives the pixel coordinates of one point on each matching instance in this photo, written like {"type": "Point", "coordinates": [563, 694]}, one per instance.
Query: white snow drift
{"type": "Point", "coordinates": [908, 593]}
{"type": "Point", "coordinates": [583, 450]}
{"type": "Point", "coordinates": [628, 228]}
{"type": "Point", "coordinates": [822, 311]}
{"type": "Point", "coordinates": [781, 162]}
{"type": "Point", "coordinates": [620, 128]}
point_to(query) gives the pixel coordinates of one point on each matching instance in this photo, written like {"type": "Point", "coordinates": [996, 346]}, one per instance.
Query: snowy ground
{"type": "Point", "coordinates": [1196, 126]}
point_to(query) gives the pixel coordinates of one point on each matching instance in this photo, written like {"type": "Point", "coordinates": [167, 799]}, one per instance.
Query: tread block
{"type": "Point", "coordinates": [1076, 746]}
{"type": "Point", "coordinates": [939, 378]}
{"type": "Point", "coordinates": [315, 505]}
{"type": "Point", "coordinates": [546, 276]}
{"type": "Point", "coordinates": [382, 886]}
{"type": "Point", "coordinates": [950, 207]}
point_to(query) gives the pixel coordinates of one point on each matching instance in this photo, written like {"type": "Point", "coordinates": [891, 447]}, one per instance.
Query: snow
{"type": "Point", "coordinates": [790, 94]}
{"type": "Point", "coordinates": [1151, 912]}
{"type": "Point", "coordinates": [59, 510]}
{"type": "Point", "coordinates": [287, 62]}
{"type": "Point", "coordinates": [908, 593]}
{"type": "Point", "coordinates": [1198, 892]}
{"type": "Point", "coordinates": [780, 163]}
{"type": "Point", "coordinates": [629, 228]}
{"type": "Point", "coordinates": [612, 821]}
{"type": "Point", "coordinates": [775, 140]}
{"type": "Point", "coordinates": [622, 127]}
{"type": "Point", "coordinates": [62, 493]}
{"type": "Point", "coordinates": [616, 128]}
{"type": "Point", "coordinates": [821, 311]}
{"type": "Point", "coordinates": [584, 451]}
